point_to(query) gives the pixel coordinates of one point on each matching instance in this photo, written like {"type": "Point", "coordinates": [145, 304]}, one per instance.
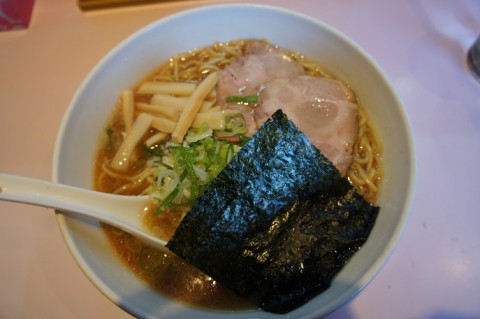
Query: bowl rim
{"type": "Point", "coordinates": [394, 239]}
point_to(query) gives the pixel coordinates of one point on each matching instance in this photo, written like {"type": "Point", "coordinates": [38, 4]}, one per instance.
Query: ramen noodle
{"type": "Point", "coordinates": [146, 117]}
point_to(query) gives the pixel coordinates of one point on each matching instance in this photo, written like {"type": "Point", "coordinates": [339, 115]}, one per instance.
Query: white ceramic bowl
{"type": "Point", "coordinates": [138, 55]}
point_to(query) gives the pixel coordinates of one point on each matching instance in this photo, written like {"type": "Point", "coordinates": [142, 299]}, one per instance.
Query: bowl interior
{"type": "Point", "coordinates": [138, 55]}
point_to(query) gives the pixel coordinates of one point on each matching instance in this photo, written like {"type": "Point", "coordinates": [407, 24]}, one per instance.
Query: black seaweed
{"type": "Point", "coordinates": [278, 223]}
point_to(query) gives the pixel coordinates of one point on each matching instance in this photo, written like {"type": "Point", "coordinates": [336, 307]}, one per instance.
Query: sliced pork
{"type": "Point", "coordinates": [325, 110]}
{"type": "Point", "coordinates": [261, 63]}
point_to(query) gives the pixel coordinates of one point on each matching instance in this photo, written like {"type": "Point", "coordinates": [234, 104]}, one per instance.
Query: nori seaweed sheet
{"type": "Point", "coordinates": [278, 223]}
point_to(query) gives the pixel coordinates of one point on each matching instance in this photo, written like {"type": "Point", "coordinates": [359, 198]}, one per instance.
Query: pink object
{"type": "Point", "coordinates": [261, 63]}
{"type": "Point", "coordinates": [15, 14]}
{"type": "Point", "coordinates": [325, 110]}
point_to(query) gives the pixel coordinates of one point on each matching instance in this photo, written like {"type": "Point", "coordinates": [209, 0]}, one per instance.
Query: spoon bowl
{"type": "Point", "coordinates": [116, 210]}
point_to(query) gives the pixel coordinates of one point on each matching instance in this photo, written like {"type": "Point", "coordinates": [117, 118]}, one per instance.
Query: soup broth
{"type": "Point", "coordinates": [162, 270]}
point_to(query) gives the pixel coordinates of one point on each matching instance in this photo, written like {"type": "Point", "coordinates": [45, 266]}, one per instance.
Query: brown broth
{"type": "Point", "coordinates": [164, 271]}
{"type": "Point", "coordinates": [172, 276]}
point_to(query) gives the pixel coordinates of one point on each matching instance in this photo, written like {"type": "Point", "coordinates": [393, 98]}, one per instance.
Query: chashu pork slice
{"type": "Point", "coordinates": [324, 109]}
{"type": "Point", "coordinates": [261, 63]}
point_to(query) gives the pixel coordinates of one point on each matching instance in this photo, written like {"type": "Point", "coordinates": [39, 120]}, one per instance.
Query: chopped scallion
{"type": "Point", "coordinates": [242, 99]}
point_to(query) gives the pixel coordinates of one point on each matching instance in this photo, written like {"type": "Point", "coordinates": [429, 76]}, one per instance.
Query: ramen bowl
{"type": "Point", "coordinates": [140, 54]}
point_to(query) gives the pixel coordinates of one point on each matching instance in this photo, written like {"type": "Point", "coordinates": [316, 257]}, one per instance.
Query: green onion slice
{"type": "Point", "coordinates": [242, 99]}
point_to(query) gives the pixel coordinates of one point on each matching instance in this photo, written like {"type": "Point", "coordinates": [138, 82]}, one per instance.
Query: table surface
{"type": "Point", "coordinates": [434, 272]}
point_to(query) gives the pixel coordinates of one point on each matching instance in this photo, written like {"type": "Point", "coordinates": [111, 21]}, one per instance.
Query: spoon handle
{"type": "Point", "coordinates": [37, 192]}
{"type": "Point", "coordinates": [117, 210]}
{"type": "Point", "coordinates": [58, 196]}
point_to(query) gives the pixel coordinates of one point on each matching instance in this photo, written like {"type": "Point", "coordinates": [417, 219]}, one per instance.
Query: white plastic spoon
{"type": "Point", "coordinates": [116, 210]}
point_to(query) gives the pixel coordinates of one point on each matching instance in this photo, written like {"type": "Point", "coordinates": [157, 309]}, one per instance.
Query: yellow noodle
{"type": "Point", "coordinates": [109, 172]}
{"type": "Point", "coordinates": [365, 172]}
